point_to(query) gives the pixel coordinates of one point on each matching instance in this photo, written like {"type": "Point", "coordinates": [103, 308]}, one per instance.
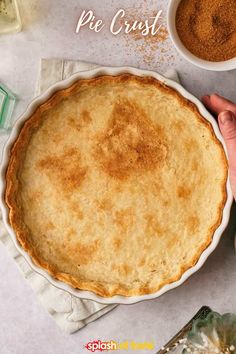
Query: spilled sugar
{"type": "Point", "coordinates": [151, 49]}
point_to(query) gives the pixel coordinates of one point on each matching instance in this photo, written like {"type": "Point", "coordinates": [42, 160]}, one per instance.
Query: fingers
{"type": "Point", "coordinates": [207, 101]}
{"type": "Point", "coordinates": [227, 123]}
{"type": "Point", "coordinates": [218, 104]}
{"type": "Point", "coordinates": [226, 111]}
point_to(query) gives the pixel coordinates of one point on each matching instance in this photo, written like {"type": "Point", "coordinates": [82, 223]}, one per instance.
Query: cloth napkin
{"type": "Point", "coordinates": [69, 312]}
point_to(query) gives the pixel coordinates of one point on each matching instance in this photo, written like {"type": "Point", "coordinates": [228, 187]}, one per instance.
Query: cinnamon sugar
{"type": "Point", "coordinates": [207, 28]}
{"type": "Point", "coordinates": [151, 48]}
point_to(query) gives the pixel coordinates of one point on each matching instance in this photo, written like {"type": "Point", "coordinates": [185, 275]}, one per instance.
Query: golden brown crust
{"type": "Point", "coordinates": [14, 184]}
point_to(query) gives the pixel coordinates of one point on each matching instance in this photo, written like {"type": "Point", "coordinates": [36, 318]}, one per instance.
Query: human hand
{"type": "Point", "coordinates": [226, 112]}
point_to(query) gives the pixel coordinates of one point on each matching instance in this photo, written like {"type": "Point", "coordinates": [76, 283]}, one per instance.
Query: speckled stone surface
{"type": "Point", "coordinates": [49, 31]}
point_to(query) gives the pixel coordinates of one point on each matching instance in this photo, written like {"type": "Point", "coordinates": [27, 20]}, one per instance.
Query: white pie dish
{"type": "Point", "coordinates": [14, 134]}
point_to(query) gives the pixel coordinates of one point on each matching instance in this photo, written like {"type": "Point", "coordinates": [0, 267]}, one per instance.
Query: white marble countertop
{"type": "Point", "coordinates": [49, 32]}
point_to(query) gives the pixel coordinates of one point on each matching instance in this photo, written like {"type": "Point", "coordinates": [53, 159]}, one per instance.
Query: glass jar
{"type": "Point", "coordinates": [9, 16]}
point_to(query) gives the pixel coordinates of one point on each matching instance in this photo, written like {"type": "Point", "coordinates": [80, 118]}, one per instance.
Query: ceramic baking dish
{"type": "Point", "coordinates": [6, 153]}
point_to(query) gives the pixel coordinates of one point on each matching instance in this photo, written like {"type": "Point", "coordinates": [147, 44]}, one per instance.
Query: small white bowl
{"type": "Point", "coordinates": [204, 64]}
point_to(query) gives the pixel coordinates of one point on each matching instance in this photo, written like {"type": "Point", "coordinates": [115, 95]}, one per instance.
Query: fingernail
{"type": "Point", "coordinates": [226, 117]}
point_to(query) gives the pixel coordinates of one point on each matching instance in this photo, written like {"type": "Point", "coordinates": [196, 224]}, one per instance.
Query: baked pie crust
{"type": "Point", "coordinates": [116, 185]}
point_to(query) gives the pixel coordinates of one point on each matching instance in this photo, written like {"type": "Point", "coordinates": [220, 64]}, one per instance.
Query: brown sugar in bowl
{"type": "Point", "coordinates": [208, 45]}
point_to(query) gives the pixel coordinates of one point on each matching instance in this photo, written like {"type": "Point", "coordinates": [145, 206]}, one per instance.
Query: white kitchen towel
{"type": "Point", "coordinates": [69, 312]}
{"type": "Point", "coordinates": [53, 70]}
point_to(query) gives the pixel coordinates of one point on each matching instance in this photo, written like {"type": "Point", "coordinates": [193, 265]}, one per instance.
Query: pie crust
{"type": "Point", "coordinates": [116, 185]}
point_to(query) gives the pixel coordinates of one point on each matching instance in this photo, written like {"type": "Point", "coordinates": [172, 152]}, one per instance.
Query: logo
{"type": "Point", "coordinates": [101, 346]}
{"type": "Point", "coordinates": [98, 345]}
